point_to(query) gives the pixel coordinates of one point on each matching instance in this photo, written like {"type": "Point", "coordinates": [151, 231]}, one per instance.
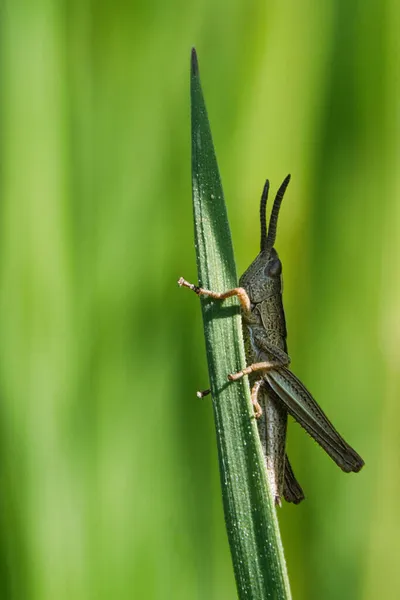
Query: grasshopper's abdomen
{"type": "Point", "coordinates": [272, 424]}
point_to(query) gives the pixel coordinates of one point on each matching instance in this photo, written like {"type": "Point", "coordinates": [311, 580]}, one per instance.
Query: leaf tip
{"type": "Point", "coordinates": [195, 63]}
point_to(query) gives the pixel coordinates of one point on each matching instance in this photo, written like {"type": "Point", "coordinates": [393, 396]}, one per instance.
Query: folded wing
{"type": "Point", "coordinates": [302, 406]}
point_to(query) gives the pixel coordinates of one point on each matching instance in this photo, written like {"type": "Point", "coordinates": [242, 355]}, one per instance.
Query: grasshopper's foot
{"type": "Point", "coordinates": [183, 283]}
{"type": "Point", "coordinates": [239, 292]}
{"type": "Point", "coordinates": [261, 366]}
{"type": "Point", "coordinates": [201, 394]}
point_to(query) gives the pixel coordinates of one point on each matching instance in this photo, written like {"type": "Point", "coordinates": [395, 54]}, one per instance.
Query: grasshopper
{"type": "Point", "coordinates": [275, 390]}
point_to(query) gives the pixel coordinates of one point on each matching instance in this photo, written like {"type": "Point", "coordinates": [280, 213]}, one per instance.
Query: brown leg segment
{"type": "Point", "coordinates": [261, 366]}
{"type": "Point", "coordinates": [254, 398]}
{"type": "Point", "coordinates": [239, 292]}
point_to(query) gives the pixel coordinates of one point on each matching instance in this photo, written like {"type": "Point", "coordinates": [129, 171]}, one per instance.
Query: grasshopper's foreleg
{"type": "Point", "coordinates": [239, 292]}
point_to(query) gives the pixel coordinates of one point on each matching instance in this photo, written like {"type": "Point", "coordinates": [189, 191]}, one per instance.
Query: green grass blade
{"type": "Point", "coordinates": [251, 522]}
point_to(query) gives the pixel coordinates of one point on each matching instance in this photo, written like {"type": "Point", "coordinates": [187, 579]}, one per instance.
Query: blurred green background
{"type": "Point", "coordinates": [108, 470]}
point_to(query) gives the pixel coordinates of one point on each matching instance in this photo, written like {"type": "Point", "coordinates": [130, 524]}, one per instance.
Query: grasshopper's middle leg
{"type": "Point", "coordinates": [254, 397]}
{"type": "Point", "coordinates": [266, 365]}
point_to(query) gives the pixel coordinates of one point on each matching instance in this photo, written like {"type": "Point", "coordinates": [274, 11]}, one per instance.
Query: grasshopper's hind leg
{"type": "Point", "coordinates": [292, 491]}
{"type": "Point", "coordinates": [254, 398]}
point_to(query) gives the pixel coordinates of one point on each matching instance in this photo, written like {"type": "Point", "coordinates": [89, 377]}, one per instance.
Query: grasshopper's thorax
{"type": "Point", "coordinates": [263, 284]}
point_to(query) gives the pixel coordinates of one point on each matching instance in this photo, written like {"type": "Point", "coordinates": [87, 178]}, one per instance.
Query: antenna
{"type": "Point", "coordinates": [263, 217]}
{"type": "Point", "coordinates": [273, 221]}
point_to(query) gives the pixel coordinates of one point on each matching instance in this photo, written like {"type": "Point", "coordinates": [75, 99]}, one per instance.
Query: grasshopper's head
{"type": "Point", "coordinates": [263, 277]}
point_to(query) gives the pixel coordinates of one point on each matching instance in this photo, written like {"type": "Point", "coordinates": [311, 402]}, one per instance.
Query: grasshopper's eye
{"type": "Point", "coordinates": [274, 268]}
